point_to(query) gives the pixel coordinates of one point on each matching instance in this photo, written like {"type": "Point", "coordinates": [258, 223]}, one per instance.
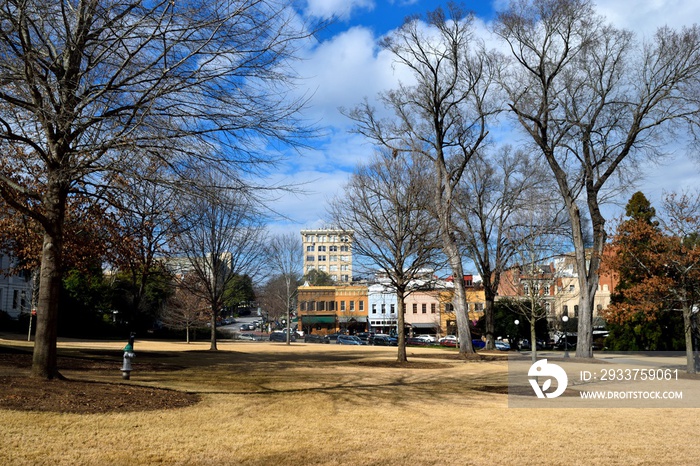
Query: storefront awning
{"type": "Point", "coordinates": [424, 325]}
{"type": "Point", "coordinates": [352, 319]}
{"type": "Point", "coordinates": [310, 320]}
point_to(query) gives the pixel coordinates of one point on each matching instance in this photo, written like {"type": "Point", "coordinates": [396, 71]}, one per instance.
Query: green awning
{"type": "Point", "coordinates": [310, 320]}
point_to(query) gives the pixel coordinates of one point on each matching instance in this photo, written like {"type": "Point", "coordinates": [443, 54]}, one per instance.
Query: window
{"type": "Point", "coordinates": [393, 308]}
{"type": "Point", "coordinates": [449, 307]}
{"type": "Point", "coordinates": [322, 258]}
{"type": "Point", "coordinates": [333, 268]}
{"type": "Point", "coordinates": [344, 268]}
{"type": "Point", "coordinates": [302, 306]}
{"type": "Point", "coordinates": [432, 308]}
{"type": "Point", "coordinates": [310, 248]}
{"type": "Point", "coordinates": [346, 278]}
{"type": "Point", "coordinates": [424, 308]}
{"type": "Point", "coordinates": [479, 307]}
{"type": "Point", "coordinates": [322, 268]}
{"type": "Point", "coordinates": [374, 308]}
{"type": "Point", "coordinates": [345, 249]}
{"type": "Point", "coordinates": [565, 310]}
{"type": "Point", "coordinates": [310, 258]}
{"type": "Point", "coordinates": [415, 308]}
{"type": "Point", "coordinates": [383, 308]}
{"type": "Point", "coordinates": [321, 306]}
{"type": "Point", "coordinates": [333, 248]}
{"type": "Point", "coordinates": [312, 305]}
{"type": "Point", "coordinates": [333, 258]}
{"type": "Point", "coordinates": [343, 258]}
{"type": "Point", "coordinates": [342, 305]}
{"type": "Point", "coordinates": [572, 288]}
{"type": "Point", "coordinates": [322, 249]}
{"type": "Point", "coordinates": [362, 305]}
{"type": "Point", "coordinates": [15, 299]}
{"type": "Point", "coordinates": [576, 310]}
{"type": "Point", "coordinates": [331, 305]}
{"type": "Point", "coordinates": [352, 306]}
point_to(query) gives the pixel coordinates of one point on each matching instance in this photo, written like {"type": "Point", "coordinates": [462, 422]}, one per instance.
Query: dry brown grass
{"type": "Point", "coordinates": [269, 404]}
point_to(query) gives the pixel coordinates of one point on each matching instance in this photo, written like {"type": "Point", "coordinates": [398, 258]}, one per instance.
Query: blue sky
{"type": "Point", "coordinates": [346, 65]}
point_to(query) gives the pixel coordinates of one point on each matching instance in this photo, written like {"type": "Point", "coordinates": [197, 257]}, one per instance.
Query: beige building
{"type": "Point", "coordinates": [328, 250]}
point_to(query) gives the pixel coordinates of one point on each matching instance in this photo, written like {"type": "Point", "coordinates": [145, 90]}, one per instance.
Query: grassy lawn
{"type": "Point", "coordinates": [269, 404]}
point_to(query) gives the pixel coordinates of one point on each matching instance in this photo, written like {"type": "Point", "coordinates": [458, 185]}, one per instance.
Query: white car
{"type": "Point", "coordinates": [427, 338]}
{"type": "Point", "coordinates": [449, 340]}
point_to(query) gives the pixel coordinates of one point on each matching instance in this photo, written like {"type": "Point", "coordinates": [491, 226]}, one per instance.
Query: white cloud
{"type": "Point", "coordinates": [645, 16]}
{"type": "Point", "coordinates": [342, 71]}
{"type": "Point", "coordinates": [341, 9]}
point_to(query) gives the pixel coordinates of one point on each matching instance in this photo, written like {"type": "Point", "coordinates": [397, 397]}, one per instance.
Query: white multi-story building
{"type": "Point", "coordinates": [15, 290]}
{"type": "Point", "coordinates": [382, 314]}
{"type": "Point", "coordinates": [328, 250]}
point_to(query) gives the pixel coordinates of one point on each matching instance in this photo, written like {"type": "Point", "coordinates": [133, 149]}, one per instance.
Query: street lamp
{"type": "Point", "coordinates": [565, 319]}
{"type": "Point", "coordinates": [517, 334]}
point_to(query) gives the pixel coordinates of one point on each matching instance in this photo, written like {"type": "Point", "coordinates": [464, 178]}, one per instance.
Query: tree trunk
{"type": "Point", "coordinates": [688, 331]}
{"type": "Point", "coordinates": [213, 329]}
{"type": "Point", "coordinates": [533, 337]}
{"type": "Point", "coordinates": [44, 362]}
{"type": "Point", "coordinates": [489, 322]}
{"type": "Point", "coordinates": [401, 356]}
{"type": "Point", "coordinates": [460, 296]}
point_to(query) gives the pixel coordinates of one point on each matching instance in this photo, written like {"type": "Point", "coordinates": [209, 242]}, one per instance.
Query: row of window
{"type": "Point", "coordinates": [330, 268]}
{"type": "Point", "coordinates": [312, 248]}
{"type": "Point", "coordinates": [331, 258]}
{"type": "Point", "coordinates": [327, 238]}
{"type": "Point", "coordinates": [332, 306]}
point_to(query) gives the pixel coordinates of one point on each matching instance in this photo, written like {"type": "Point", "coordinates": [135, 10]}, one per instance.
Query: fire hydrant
{"type": "Point", "coordinates": [128, 356]}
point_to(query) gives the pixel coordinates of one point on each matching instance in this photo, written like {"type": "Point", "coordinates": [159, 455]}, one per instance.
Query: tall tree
{"type": "Point", "coordinates": [146, 227]}
{"type": "Point", "coordinates": [442, 116]}
{"type": "Point", "coordinates": [493, 191]}
{"type": "Point", "coordinates": [661, 269]}
{"type": "Point", "coordinates": [652, 330]}
{"type": "Point", "coordinates": [593, 102]}
{"type": "Point", "coordinates": [221, 238]}
{"type": "Point", "coordinates": [86, 83]}
{"type": "Point", "coordinates": [285, 256]}
{"type": "Point", "coordinates": [386, 204]}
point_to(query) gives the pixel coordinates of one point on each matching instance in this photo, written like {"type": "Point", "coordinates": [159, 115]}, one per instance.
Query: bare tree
{"type": "Point", "coordinates": [594, 101]}
{"type": "Point", "coordinates": [387, 205]}
{"type": "Point", "coordinates": [221, 238]}
{"type": "Point", "coordinates": [443, 117]}
{"type": "Point", "coordinates": [492, 193]}
{"type": "Point", "coordinates": [83, 83]}
{"type": "Point", "coordinates": [285, 256]}
{"type": "Point", "coordinates": [146, 228]}
{"type": "Point", "coordinates": [185, 310]}
{"type": "Point", "coordinates": [536, 238]}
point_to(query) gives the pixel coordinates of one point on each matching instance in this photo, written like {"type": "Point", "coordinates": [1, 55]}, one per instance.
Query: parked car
{"type": "Point", "coordinates": [249, 336]}
{"type": "Point", "coordinates": [334, 336]}
{"type": "Point", "coordinates": [364, 336]}
{"type": "Point", "coordinates": [417, 341]}
{"type": "Point", "coordinates": [429, 339]}
{"type": "Point", "coordinates": [247, 327]}
{"type": "Point", "coordinates": [348, 340]}
{"type": "Point", "coordinates": [282, 336]}
{"type": "Point", "coordinates": [502, 345]}
{"type": "Point", "coordinates": [383, 340]}
{"type": "Point", "coordinates": [449, 340]}
{"type": "Point", "coordinates": [316, 338]}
